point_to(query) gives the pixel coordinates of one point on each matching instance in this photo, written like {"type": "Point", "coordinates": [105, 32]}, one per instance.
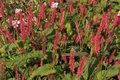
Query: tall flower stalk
{"type": "Point", "coordinates": [56, 41]}
{"type": "Point", "coordinates": [81, 66]}
{"type": "Point", "coordinates": [72, 61]}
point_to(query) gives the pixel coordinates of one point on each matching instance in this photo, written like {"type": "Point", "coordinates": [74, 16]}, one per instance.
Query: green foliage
{"type": "Point", "coordinates": [27, 46]}
{"type": "Point", "coordinates": [43, 71]}
{"type": "Point", "coordinates": [68, 28]}
{"type": "Point", "coordinates": [107, 74]}
{"type": "Point", "coordinates": [21, 60]}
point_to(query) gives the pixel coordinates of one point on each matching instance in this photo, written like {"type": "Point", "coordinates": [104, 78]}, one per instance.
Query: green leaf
{"type": "Point", "coordinates": [43, 71]}
{"type": "Point", "coordinates": [11, 79]}
{"type": "Point", "coordinates": [20, 60]}
{"type": "Point", "coordinates": [49, 46]}
{"type": "Point", "coordinates": [86, 70]}
{"type": "Point", "coordinates": [2, 49]}
{"type": "Point", "coordinates": [75, 77]}
{"type": "Point", "coordinates": [68, 28]}
{"type": "Point", "coordinates": [11, 46]}
{"type": "Point", "coordinates": [83, 1]}
{"type": "Point", "coordinates": [101, 74]}
{"type": "Point", "coordinates": [117, 56]}
{"type": "Point", "coordinates": [8, 47]}
{"type": "Point", "coordinates": [48, 31]}
{"type": "Point", "coordinates": [104, 3]}
{"type": "Point", "coordinates": [113, 71]}
{"type": "Point", "coordinates": [68, 77]}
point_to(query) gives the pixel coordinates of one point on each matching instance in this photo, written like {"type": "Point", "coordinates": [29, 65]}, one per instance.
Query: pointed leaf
{"type": "Point", "coordinates": [43, 71]}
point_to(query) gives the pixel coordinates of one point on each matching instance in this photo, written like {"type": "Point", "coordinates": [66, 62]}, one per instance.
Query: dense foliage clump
{"type": "Point", "coordinates": [60, 40]}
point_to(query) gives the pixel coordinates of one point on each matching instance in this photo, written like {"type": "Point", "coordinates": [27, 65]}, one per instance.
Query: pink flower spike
{"type": "Point", "coordinates": [81, 66]}
{"type": "Point", "coordinates": [112, 55]}
{"type": "Point", "coordinates": [116, 21]}
{"type": "Point", "coordinates": [9, 36]}
{"type": "Point", "coordinates": [119, 75]}
{"type": "Point", "coordinates": [56, 40]}
{"type": "Point", "coordinates": [42, 11]}
{"type": "Point", "coordinates": [72, 61]}
{"type": "Point", "coordinates": [54, 11]}
{"type": "Point", "coordinates": [50, 2]}
{"type": "Point", "coordinates": [82, 10]}
{"type": "Point", "coordinates": [63, 41]}
{"type": "Point", "coordinates": [64, 58]}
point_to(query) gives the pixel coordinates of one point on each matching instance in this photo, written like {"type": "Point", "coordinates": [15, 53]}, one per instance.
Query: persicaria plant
{"type": "Point", "coordinates": [59, 39]}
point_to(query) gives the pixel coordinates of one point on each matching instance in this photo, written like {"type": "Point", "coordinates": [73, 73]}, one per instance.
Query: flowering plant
{"type": "Point", "coordinates": [59, 39]}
